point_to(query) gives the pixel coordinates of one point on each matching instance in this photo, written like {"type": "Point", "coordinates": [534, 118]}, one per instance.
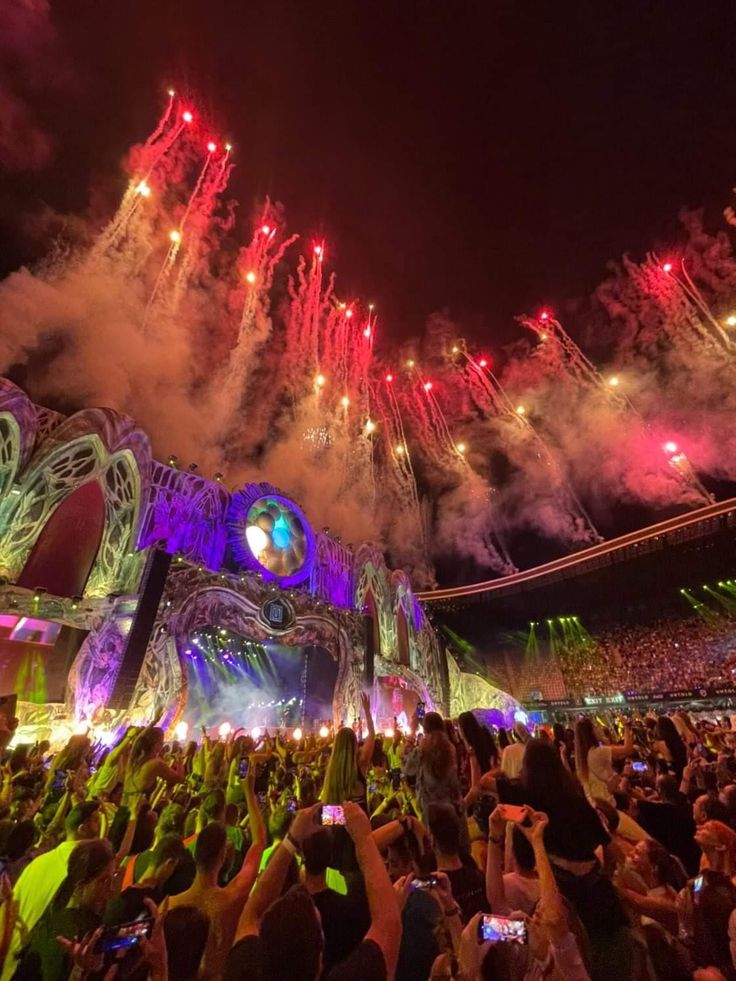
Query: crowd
{"type": "Point", "coordinates": [579, 852]}
{"type": "Point", "coordinates": [662, 656]}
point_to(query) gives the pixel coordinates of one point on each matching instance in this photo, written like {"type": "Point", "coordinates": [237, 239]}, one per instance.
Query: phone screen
{"type": "Point", "coordinates": [513, 812]}
{"type": "Point", "coordinates": [395, 779]}
{"type": "Point", "coordinates": [59, 779]}
{"type": "Point", "coordinates": [243, 769]}
{"type": "Point", "coordinates": [124, 936]}
{"type": "Point", "coordinates": [697, 884]}
{"type": "Point", "coordinates": [332, 814]}
{"type": "Point", "coordinates": [638, 767]}
{"type": "Point", "coordinates": [502, 930]}
{"type": "Point", "coordinates": [291, 803]}
{"type": "Point", "coordinates": [425, 882]}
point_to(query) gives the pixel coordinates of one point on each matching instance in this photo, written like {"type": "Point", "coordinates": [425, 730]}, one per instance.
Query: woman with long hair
{"type": "Point", "coordinates": [76, 910]}
{"type": "Point", "coordinates": [111, 772]}
{"type": "Point", "coordinates": [145, 766]}
{"type": "Point", "coordinates": [572, 837]}
{"type": "Point", "coordinates": [653, 888]}
{"type": "Point", "coordinates": [718, 844]}
{"type": "Point", "coordinates": [349, 763]}
{"type": "Point", "coordinates": [594, 760]}
{"type": "Point", "coordinates": [669, 746]}
{"type": "Point", "coordinates": [481, 755]}
{"type": "Point", "coordinates": [434, 763]}
{"type": "Point", "coordinates": [478, 739]}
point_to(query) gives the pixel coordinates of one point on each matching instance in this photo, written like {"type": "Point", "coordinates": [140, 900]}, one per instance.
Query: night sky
{"type": "Point", "coordinates": [483, 157]}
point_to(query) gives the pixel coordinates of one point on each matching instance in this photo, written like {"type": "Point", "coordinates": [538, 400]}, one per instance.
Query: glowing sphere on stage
{"type": "Point", "coordinates": [270, 534]}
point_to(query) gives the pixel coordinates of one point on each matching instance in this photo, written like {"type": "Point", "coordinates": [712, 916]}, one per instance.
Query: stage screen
{"type": "Point", "coordinates": [35, 657]}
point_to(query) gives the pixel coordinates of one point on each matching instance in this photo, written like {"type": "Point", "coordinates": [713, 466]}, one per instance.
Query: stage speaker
{"type": "Point", "coordinates": [370, 650]}
{"type": "Point", "coordinates": [152, 589]}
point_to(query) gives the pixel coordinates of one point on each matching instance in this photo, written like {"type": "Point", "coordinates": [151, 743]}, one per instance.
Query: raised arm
{"type": "Point", "coordinates": [242, 884]}
{"type": "Point", "coordinates": [269, 886]}
{"type": "Point", "coordinates": [385, 929]}
{"type": "Point", "coordinates": [627, 748]}
{"type": "Point", "coordinates": [57, 822]}
{"type": "Point", "coordinates": [127, 841]}
{"type": "Point", "coordinates": [565, 951]}
{"type": "Point", "coordinates": [474, 790]}
{"type": "Point", "coordinates": [495, 892]}
{"type": "Point", "coordinates": [114, 755]}
{"type": "Point", "coordinates": [162, 771]}
{"type": "Point", "coordinates": [385, 836]}
{"type": "Point", "coordinates": [366, 750]}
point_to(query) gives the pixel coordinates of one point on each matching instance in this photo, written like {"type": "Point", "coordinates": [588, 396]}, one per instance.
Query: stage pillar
{"type": "Point", "coordinates": [369, 631]}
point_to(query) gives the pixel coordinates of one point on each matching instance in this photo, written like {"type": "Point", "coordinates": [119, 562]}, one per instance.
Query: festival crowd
{"type": "Point", "coordinates": [588, 851]}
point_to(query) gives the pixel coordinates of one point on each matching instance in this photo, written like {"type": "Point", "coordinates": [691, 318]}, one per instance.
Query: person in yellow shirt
{"type": "Point", "coordinates": [40, 880]}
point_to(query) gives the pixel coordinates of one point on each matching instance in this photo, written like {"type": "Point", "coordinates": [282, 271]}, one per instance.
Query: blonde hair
{"type": "Point", "coordinates": [342, 769]}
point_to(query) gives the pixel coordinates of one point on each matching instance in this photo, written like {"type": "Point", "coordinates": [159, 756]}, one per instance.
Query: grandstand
{"type": "Point", "coordinates": [651, 612]}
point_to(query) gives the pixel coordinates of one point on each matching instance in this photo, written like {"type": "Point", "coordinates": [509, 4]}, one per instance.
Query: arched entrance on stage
{"type": "Point", "coordinates": [239, 669]}
{"type": "Point", "coordinates": [65, 551]}
{"type": "Point", "coordinates": [256, 683]}
{"type": "Point", "coordinates": [395, 700]}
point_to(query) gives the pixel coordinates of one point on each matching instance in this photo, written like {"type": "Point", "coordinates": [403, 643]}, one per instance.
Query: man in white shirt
{"type": "Point", "coordinates": [513, 756]}
{"type": "Point", "coordinates": [39, 881]}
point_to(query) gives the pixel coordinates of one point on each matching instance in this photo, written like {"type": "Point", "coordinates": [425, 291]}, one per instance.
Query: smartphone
{"type": "Point", "coordinates": [291, 804]}
{"type": "Point", "coordinates": [638, 767]}
{"type": "Point", "coordinates": [124, 936]}
{"type": "Point", "coordinates": [331, 815]}
{"type": "Point", "coordinates": [243, 768]}
{"type": "Point", "coordinates": [501, 929]}
{"type": "Point", "coordinates": [697, 885]}
{"type": "Point", "coordinates": [515, 813]}
{"type": "Point", "coordinates": [421, 710]}
{"type": "Point", "coordinates": [395, 779]}
{"type": "Point", "coordinates": [425, 882]}
{"type": "Point", "coordinates": [59, 780]}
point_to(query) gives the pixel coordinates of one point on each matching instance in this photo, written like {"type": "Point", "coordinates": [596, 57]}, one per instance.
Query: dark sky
{"type": "Point", "coordinates": [482, 156]}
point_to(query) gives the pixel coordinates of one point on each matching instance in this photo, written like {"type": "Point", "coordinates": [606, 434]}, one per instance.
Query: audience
{"type": "Point", "coordinates": [607, 844]}
{"type": "Point", "coordinates": [667, 655]}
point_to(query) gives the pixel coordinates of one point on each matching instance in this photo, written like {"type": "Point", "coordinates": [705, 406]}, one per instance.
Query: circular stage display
{"type": "Point", "coordinates": [270, 534]}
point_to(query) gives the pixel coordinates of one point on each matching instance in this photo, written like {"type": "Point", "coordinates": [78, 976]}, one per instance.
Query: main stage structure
{"type": "Point", "coordinates": [121, 558]}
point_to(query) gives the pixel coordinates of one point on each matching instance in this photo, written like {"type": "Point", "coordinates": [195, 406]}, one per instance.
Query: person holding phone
{"type": "Point", "coordinates": [345, 777]}
{"type": "Point", "coordinates": [76, 910]}
{"type": "Point", "coordinates": [223, 905]}
{"type": "Point", "coordinates": [40, 880]}
{"type": "Point", "coordinates": [594, 760]}
{"type": "Point", "coordinates": [275, 933]}
{"type": "Point", "coordinates": [553, 949]}
{"type": "Point", "coordinates": [572, 839]}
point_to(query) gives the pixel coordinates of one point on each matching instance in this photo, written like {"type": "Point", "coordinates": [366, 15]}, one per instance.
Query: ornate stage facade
{"type": "Point", "coordinates": [114, 567]}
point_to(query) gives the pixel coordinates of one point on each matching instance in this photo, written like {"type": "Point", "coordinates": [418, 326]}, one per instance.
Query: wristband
{"type": "Point", "coordinates": [289, 843]}
{"type": "Point", "coordinates": [455, 911]}
{"type": "Point", "coordinates": [496, 841]}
